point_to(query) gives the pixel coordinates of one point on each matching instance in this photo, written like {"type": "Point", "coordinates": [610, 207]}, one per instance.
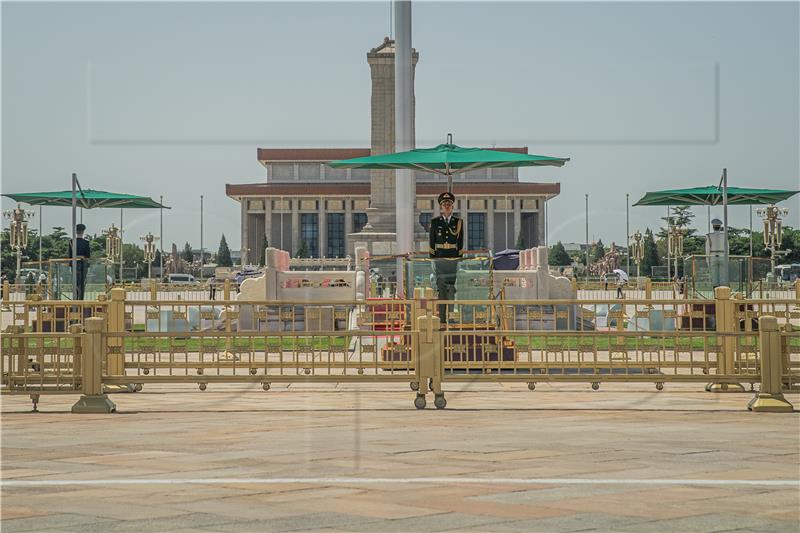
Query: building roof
{"type": "Point", "coordinates": [278, 155]}
{"type": "Point", "coordinates": [236, 191]}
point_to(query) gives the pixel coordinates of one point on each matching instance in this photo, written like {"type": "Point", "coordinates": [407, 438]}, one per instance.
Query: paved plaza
{"type": "Point", "coordinates": [326, 457]}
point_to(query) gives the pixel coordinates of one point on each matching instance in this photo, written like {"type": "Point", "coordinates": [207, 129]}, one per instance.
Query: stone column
{"type": "Point", "coordinates": [465, 218]}
{"type": "Point", "coordinates": [245, 233]}
{"type": "Point", "coordinates": [267, 223]}
{"type": "Point", "coordinates": [490, 223]}
{"type": "Point", "coordinates": [322, 248]}
{"type": "Point", "coordinates": [517, 222]}
{"type": "Point", "coordinates": [348, 223]}
{"type": "Point", "coordinates": [382, 189]}
{"type": "Point", "coordinates": [295, 226]}
{"type": "Point", "coordinates": [540, 221]}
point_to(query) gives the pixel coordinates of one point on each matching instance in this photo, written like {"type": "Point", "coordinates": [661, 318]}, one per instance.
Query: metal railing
{"type": "Point", "coordinates": [135, 343]}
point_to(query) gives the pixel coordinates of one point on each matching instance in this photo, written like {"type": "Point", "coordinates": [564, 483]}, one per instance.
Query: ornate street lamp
{"type": "Point", "coordinates": [149, 251]}
{"type": "Point", "coordinates": [113, 243]}
{"type": "Point", "coordinates": [675, 244]}
{"type": "Point", "coordinates": [18, 232]}
{"type": "Point", "coordinates": [637, 251]}
{"type": "Point", "coordinates": [773, 228]}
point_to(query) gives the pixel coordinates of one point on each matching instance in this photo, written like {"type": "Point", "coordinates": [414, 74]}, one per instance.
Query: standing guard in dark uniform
{"type": "Point", "coordinates": [446, 248]}
{"type": "Point", "coordinates": [84, 252]}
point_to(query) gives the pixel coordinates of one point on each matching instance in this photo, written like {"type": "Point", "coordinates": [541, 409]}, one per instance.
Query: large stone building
{"type": "Point", "coordinates": [302, 201]}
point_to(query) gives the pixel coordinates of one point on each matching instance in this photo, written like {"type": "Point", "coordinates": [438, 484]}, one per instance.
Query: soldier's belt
{"type": "Point", "coordinates": [446, 246]}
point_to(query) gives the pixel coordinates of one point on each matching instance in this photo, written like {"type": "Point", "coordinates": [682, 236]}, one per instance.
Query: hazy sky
{"type": "Point", "coordinates": [174, 98]}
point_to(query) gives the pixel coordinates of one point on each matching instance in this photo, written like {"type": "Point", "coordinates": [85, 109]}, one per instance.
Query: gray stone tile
{"type": "Point", "coordinates": [61, 522]}
{"type": "Point", "coordinates": [557, 493]}
{"type": "Point", "coordinates": [300, 522]}
{"type": "Point", "coordinates": [437, 522]}
{"type": "Point", "coordinates": [713, 523]}
{"type": "Point", "coordinates": [570, 523]}
{"type": "Point", "coordinates": [165, 523]}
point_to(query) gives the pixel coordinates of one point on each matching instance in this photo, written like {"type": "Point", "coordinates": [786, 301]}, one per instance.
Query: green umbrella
{"type": "Point", "coordinates": [87, 199]}
{"type": "Point", "coordinates": [712, 195]}
{"type": "Point", "coordinates": [448, 159]}
{"type": "Point", "coordinates": [717, 195]}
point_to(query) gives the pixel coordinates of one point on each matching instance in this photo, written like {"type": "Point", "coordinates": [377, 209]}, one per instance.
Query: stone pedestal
{"type": "Point", "coordinates": [97, 404]}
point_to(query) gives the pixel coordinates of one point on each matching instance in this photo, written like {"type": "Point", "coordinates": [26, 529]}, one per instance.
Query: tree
{"type": "Point", "coordinates": [187, 255]}
{"type": "Point", "coordinates": [133, 256]}
{"type": "Point", "coordinates": [791, 241]}
{"type": "Point", "coordinates": [303, 251]}
{"type": "Point", "coordinates": [224, 253]}
{"type": "Point", "coordinates": [558, 256]}
{"type": "Point", "coordinates": [598, 251]}
{"type": "Point", "coordinates": [262, 253]}
{"type": "Point", "coordinates": [520, 244]}
{"type": "Point", "coordinates": [651, 257]}
{"type": "Point", "coordinates": [681, 217]}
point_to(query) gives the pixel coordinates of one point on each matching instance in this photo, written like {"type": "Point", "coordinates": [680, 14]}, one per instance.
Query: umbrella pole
{"type": "Point", "coordinates": [725, 217]}
{"type": "Point", "coordinates": [121, 245]}
{"type": "Point", "coordinates": [161, 237]}
{"type": "Point", "coordinates": [669, 252]}
{"type": "Point", "coordinates": [74, 238]}
{"type": "Point", "coordinates": [751, 231]}
{"type": "Point", "coordinates": [40, 239]}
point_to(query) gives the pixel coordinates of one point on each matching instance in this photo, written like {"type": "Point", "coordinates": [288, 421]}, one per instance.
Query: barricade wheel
{"type": "Point", "coordinates": [265, 386]}
{"type": "Point", "coordinates": [203, 386]}
{"type": "Point", "coordinates": [138, 387]}
{"type": "Point", "coordinates": [660, 385]}
{"type": "Point", "coordinates": [420, 402]}
{"type": "Point", "coordinates": [199, 371]}
{"type": "Point", "coordinates": [360, 371]}
{"type": "Point", "coordinates": [705, 370]}
{"type": "Point", "coordinates": [145, 371]}
{"type": "Point", "coordinates": [306, 371]}
{"type": "Point", "coordinates": [439, 401]}
{"type": "Point", "coordinates": [595, 385]}
{"type": "Point", "coordinates": [253, 371]}
{"type": "Point", "coordinates": [414, 385]}
{"type": "Point", "coordinates": [531, 386]}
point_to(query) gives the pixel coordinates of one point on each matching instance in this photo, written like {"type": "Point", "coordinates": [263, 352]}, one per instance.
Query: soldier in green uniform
{"type": "Point", "coordinates": [446, 247]}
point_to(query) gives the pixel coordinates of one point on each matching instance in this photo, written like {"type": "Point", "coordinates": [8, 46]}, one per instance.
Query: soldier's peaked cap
{"type": "Point", "coordinates": [447, 196]}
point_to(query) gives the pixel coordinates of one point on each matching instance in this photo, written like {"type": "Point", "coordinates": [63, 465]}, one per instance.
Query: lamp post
{"type": "Point", "coordinates": [113, 245]}
{"type": "Point", "coordinates": [587, 237]}
{"type": "Point", "coordinates": [18, 232]}
{"type": "Point", "coordinates": [202, 252]}
{"type": "Point", "coordinates": [637, 251]}
{"type": "Point", "coordinates": [773, 229]}
{"type": "Point", "coordinates": [628, 233]}
{"type": "Point", "coordinates": [675, 244]}
{"type": "Point", "coordinates": [149, 251]}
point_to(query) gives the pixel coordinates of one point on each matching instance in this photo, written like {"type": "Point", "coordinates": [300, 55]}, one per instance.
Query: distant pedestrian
{"type": "Point", "coordinates": [212, 287]}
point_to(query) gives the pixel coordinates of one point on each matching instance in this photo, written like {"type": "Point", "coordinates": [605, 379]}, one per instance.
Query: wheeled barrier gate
{"type": "Point", "coordinates": [92, 348]}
